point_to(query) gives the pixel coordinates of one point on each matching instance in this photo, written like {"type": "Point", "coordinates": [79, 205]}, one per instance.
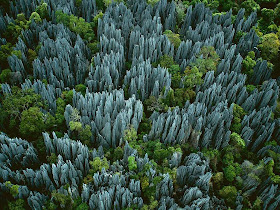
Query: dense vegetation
{"type": "Point", "coordinates": [139, 104]}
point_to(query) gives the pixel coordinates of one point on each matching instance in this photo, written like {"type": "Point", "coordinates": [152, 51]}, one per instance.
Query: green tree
{"type": "Point", "coordinates": [67, 96]}
{"type": "Point", "coordinates": [97, 164]}
{"type": "Point", "coordinates": [229, 173]}
{"type": "Point", "coordinates": [229, 193]}
{"type": "Point", "coordinates": [238, 114]}
{"type": "Point", "coordinates": [130, 134]}
{"type": "Point", "coordinates": [36, 17]}
{"type": "Point", "coordinates": [82, 206]}
{"type": "Point", "coordinates": [76, 24]}
{"type": "Point", "coordinates": [218, 179]}
{"type": "Point", "coordinates": [250, 88]}
{"type": "Point", "coordinates": [237, 141]}
{"type": "Point", "coordinates": [249, 64]}
{"type": "Point", "coordinates": [5, 76]}
{"type": "Point", "coordinates": [59, 114]}
{"type": "Point", "coordinates": [132, 164]}
{"type": "Point", "coordinates": [32, 123]}
{"type": "Point", "coordinates": [95, 19]}
{"type": "Point", "coordinates": [118, 153]}
{"type": "Point", "coordinates": [81, 88]}
{"type": "Point", "coordinates": [267, 17]}
{"type": "Point", "coordinates": [42, 10]}
{"type": "Point", "coordinates": [193, 77]}
{"type": "Point", "coordinates": [269, 46]}
{"type": "Point", "coordinates": [14, 104]}
{"type": "Point", "coordinates": [250, 6]}
{"type": "Point", "coordinates": [18, 204]}
{"type": "Point", "coordinates": [65, 201]}
{"type": "Point", "coordinates": [207, 60]}
{"type": "Point", "coordinates": [173, 38]}
{"type": "Point", "coordinates": [165, 61]}
{"type": "Point", "coordinates": [52, 158]}
{"type": "Point", "coordinates": [14, 190]}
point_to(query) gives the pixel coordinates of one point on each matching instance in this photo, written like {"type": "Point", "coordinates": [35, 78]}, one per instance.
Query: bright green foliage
{"type": "Point", "coordinates": [12, 187]}
{"type": "Point", "coordinates": [76, 24]}
{"type": "Point", "coordinates": [32, 55]}
{"type": "Point", "coordinates": [94, 47]}
{"type": "Point", "coordinates": [178, 97]}
{"type": "Point", "coordinates": [249, 64]}
{"type": "Point", "coordinates": [160, 155]}
{"type": "Point", "coordinates": [182, 95]}
{"type": "Point", "coordinates": [36, 17]}
{"type": "Point", "coordinates": [80, 132]}
{"type": "Point", "coordinates": [5, 75]}
{"type": "Point", "coordinates": [42, 10]}
{"type": "Point", "coordinates": [67, 96]}
{"type": "Point", "coordinates": [14, 29]}
{"type": "Point", "coordinates": [59, 115]}
{"type": "Point", "coordinates": [269, 46]}
{"type": "Point", "coordinates": [250, 6]}
{"type": "Point", "coordinates": [277, 14]}
{"type": "Point", "coordinates": [16, 205]}
{"type": "Point", "coordinates": [238, 111]}
{"type": "Point", "coordinates": [107, 2]}
{"type": "Point", "coordinates": [144, 182]}
{"type": "Point", "coordinates": [132, 164]}
{"type": "Point", "coordinates": [14, 190]}
{"type": "Point", "coordinates": [85, 134]}
{"type": "Point", "coordinates": [173, 38]}
{"type": "Point", "coordinates": [209, 60]}
{"type": "Point", "coordinates": [75, 126]}
{"type": "Point", "coordinates": [229, 172]}
{"type": "Point", "coordinates": [130, 134]}
{"type": "Point", "coordinates": [237, 141]}
{"type": "Point", "coordinates": [97, 164]}
{"type": "Point", "coordinates": [13, 105]}
{"type": "Point", "coordinates": [250, 88]}
{"type": "Point", "coordinates": [165, 61]}
{"type": "Point", "coordinates": [214, 156]}
{"type": "Point", "coordinates": [95, 19]}
{"type": "Point", "coordinates": [81, 88]}
{"type": "Point", "coordinates": [6, 51]}
{"type": "Point", "coordinates": [228, 159]}
{"type": "Point", "coordinates": [267, 17]}
{"type": "Point", "coordinates": [229, 193]}
{"type": "Point", "coordinates": [149, 189]}
{"type": "Point", "coordinates": [269, 169]}
{"type": "Point", "coordinates": [238, 114]}
{"type": "Point", "coordinates": [257, 204]}
{"type": "Point", "coordinates": [193, 77]}
{"type": "Point", "coordinates": [176, 77]}
{"type": "Point", "coordinates": [32, 123]}
{"type": "Point", "coordinates": [82, 206]}
{"type": "Point", "coordinates": [63, 200]}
